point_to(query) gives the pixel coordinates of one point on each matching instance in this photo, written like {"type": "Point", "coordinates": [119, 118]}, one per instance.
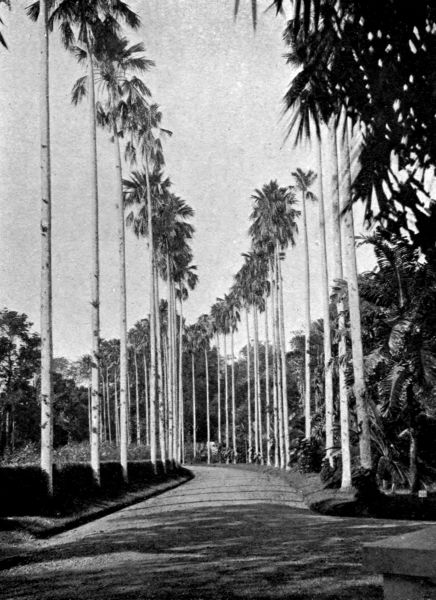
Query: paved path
{"type": "Point", "coordinates": [226, 534]}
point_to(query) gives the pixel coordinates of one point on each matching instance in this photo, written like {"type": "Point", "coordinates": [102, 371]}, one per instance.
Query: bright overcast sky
{"type": "Point", "coordinates": [220, 89]}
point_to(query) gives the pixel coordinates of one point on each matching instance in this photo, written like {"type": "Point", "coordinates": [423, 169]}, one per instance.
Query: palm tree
{"type": "Point", "coordinates": [86, 22]}
{"type": "Point", "coordinates": [205, 328]}
{"type": "Point", "coordinates": [273, 228]}
{"type": "Point", "coordinates": [355, 318]}
{"type": "Point", "coordinates": [115, 65]}
{"type": "Point", "coordinates": [215, 313]}
{"type": "Point", "coordinates": [148, 190]}
{"type": "Point", "coordinates": [303, 182]}
{"type": "Point", "coordinates": [192, 343]}
{"type": "Point", "coordinates": [232, 308]}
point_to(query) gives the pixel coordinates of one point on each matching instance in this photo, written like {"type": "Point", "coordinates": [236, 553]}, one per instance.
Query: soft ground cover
{"type": "Point", "coordinates": [227, 534]}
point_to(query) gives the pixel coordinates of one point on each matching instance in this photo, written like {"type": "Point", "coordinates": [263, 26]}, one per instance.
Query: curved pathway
{"type": "Point", "coordinates": [227, 534]}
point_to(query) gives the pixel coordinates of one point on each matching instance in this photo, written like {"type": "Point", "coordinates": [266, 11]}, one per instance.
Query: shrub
{"type": "Point", "coordinates": [24, 487]}
{"type": "Point", "coordinates": [307, 454]}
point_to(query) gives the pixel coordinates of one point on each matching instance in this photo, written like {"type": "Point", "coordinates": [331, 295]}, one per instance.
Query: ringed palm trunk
{"type": "Point", "coordinates": [219, 385]}
{"type": "Point", "coordinates": [153, 445]}
{"type": "Point", "coordinates": [250, 439]}
{"type": "Point", "coordinates": [343, 392]}
{"type": "Point", "coordinates": [122, 307]}
{"type": "Point", "coordinates": [355, 322]}
{"type": "Point", "coordinates": [108, 403]}
{"type": "Point", "coordinates": [146, 403]}
{"type": "Point", "coordinates": [267, 390]}
{"type": "Point", "coordinates": [194, 409]}
{"type": "Point", "coordinates": [46, 275]}
{"type": "Point", "coordinates": [282, 453]}
{"type": "Point", "coordinates": [206, 363]}
{"type": "Point", "coordinates": [116, 409]}
{"type": "Point", "coordinates": [181, 424]}
{"type": "Point", "coordinates": [170, 362]}
{"type": "Point", "coordinates": [138, 421]}
{"type": "Point", "coordinates": [256, 392]}
{"type": "Point", "coordinates": [257, 376]}
{"type": "Point", "coordinates": [328, 374]}
{"type": "Point", "coordinates": [175, 373]}
{"type": "Point", "coordinates": [307, 325]}
{"type": "Point", "coordinates": [95, 279]}
{"type": "Point", "coordinates": [226, 397]}
{"type": "Point", "coordinates": [235, 451]}
{"type": "Point", "coordinates": [284, 371]}
{"type": "Point", "coordinates": [160, 395]}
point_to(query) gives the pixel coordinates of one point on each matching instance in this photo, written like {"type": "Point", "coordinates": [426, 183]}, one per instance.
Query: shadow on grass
{"type": "Point", "coordinates": [252, 552]}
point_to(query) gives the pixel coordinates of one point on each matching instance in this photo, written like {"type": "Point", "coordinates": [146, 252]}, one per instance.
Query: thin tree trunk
{"type": "Point", "coordinates": [267, 395]}
{"type": "Point", "coordinates": [146, 402]}
{"type": "Point", "coordinates": [219, 385]}
{"type": "Point", "coordinates": [280, 392]}
{"type": "Point", "coordinates": [181, 424]}
{"type": "Point", "coordinates": [257, 376]}
{"type": "Point", "coordinates": [138, 422]}
{"type": "Point", "coordinates": [328, 372]}
{"type": "Point", "coordinates": [206, 363]}
{"type": "Point", "coordinates": [46, 271]}
{"type": "Point", "coordinates": [343, 392]}
{"type": "Point", "coordinates": [194, 410]}
{"type": "Point", "coordinates": [235, 450]}
{"type": "Point", "coordinates": [226, 397]}
{"type": "Point", "coordinates": [89, 414]}
{"type": "Point", "coordinates": [355, 322]}
{"type": "Point", "coordinates": [153, 444]}
{"type": "Point", "coordinates": [250, 440]}
{"type": "Point", "coordinates": [122, 308]}
{"type": "Point", "coordinates": [170, 361]}
{"type": "Point", "coordinates": [108, 405]}
{"type": "Point", "coordinates": [163, 452]}
{"type": "Point", "coordinates": [175, 371]}
{"type": "Point", "coordinates": [282, 339]}
{"type": "Point", "coordinates": [117, 414]}
{"type": "Point", "coordinates": [103, 424]}
{"type": "Point", "coordinates": [256, 391]}
{"type": "Point", "coordinates": [307, 324]}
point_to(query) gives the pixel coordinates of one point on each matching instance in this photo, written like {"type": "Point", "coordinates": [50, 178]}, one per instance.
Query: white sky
{"type": "Point", "coordinates": [220, 88]}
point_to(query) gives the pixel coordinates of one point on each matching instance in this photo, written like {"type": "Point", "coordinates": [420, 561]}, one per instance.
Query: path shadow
{"type": "Point", "coordinates": [250, 552]}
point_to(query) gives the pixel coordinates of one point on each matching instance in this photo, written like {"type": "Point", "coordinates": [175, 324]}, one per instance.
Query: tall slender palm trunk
{"type": "Point", "coordinates": [279, 364]}
{"type": "Point", "coordinates": [170, 363]}
{"type": "Point", "coordinates": [232, 349]}
{"type": "Point", "coordinates": [122, 307]}
{"type": "Point", "coordinates": [146, 402]}
{"type": "Point", "coordinates": [226, 396]}
{"type": "Point", "coordinates": [108, 407]}
{"type": "Point", "coordinates": [194, 409]}
{"type": "Point", "coordinates": [181, 424]}
{"type": "Point", "coordinates": [284, 370]}
{"type": "Point", "coordinates": [307, 324]}
{"type": "Point", "coordinates": [46, 271]}
{"type": "Point", "coordinates": [267, 388]}
{"type": "Point", "coordinates": [328, 372]}
{"type": "Point", "coordinates": [256, 392]}
{"type": "Point", "coordinates": [153, 444]}
{"type": "Point", "coordinates": [175, 373]}
{"type": "Point", "coordinates": [249, 423]}
{"type": "Point", "coordinates": [160, 380]}
{"type": "Point", "coordinates": [257, 375]}
{"type": "Point", "coordinates": [343, 392]}
{"type": "Point", "coordinates": [355, 320]}
{"type": "Point", "coordinates": [138, 420]}
{"type": "Point", "coordinates": [95, 277]}
{"type": "Point", "coordinates": [206, 364]}
{"type": "Point", "coordinates": [116, 410]}
{"type": "Point", "coordinates": [218, 368]}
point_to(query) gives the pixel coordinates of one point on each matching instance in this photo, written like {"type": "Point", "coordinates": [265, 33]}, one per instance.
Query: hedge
{"type": "Point", "coordinates": [23, 488]}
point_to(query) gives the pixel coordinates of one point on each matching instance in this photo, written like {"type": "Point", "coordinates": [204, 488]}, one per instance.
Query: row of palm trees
{"type": "Point", "coordinates": [258, 288]}
{"type": "Point", "coordinates": [120, 102]}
